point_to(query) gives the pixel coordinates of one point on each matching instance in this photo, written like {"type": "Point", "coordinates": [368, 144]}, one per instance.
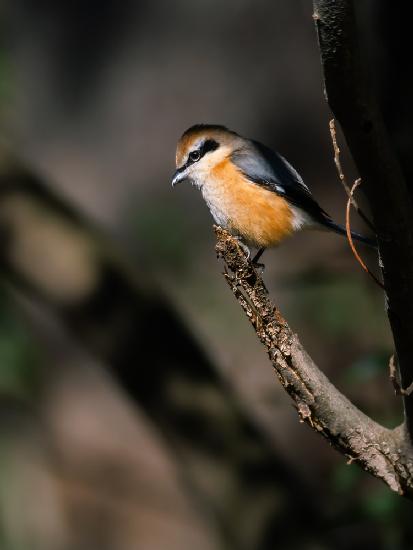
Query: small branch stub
{"type": "Point", "coordinates": [398, 390]}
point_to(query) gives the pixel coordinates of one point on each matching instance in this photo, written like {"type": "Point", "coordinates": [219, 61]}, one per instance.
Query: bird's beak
{"type": "Point", "coordinates": [178, 176]}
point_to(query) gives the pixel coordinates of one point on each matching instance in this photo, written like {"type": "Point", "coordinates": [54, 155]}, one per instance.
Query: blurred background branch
{"type": "Point", "coordinates": [52, 254]}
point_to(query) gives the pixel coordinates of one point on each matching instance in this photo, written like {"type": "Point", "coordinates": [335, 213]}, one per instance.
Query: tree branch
{"type": "Point", "coordinates": [380, 451]}
{"type": "Point", "coordinates": [351, 102]}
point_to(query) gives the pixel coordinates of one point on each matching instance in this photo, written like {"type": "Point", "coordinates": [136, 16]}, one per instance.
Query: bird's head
{"type": "Point", "coordinates": [200, 149]}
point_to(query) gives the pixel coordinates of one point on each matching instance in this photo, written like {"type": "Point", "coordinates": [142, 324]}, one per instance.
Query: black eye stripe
{"type": "Point", "coordinates": [206, 147]}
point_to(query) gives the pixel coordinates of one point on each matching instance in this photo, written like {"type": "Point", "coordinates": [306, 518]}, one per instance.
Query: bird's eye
{"type": "Point", "coordinates": [194, 156]}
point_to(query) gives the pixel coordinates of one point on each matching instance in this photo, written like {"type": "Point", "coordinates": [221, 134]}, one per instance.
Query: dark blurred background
{"type": "Point", "coordinates": [137, 408]}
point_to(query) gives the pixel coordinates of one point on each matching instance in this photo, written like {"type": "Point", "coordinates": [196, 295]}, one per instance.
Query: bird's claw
{"type": "Point", "coordinates": [257, 265]}
{"type": "Point", "coordinates": [243, 247]}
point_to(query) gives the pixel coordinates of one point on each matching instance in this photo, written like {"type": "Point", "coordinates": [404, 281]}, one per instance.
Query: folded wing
{"type": "Point", "coordinates": [264, 167]}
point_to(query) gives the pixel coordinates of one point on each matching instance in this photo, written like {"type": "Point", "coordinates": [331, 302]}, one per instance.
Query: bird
{"type": "Point", "coordinates": [251, 190]}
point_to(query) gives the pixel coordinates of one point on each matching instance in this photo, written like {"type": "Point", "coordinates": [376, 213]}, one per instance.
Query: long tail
{"type": "Point", "coordinates": [337, 228]}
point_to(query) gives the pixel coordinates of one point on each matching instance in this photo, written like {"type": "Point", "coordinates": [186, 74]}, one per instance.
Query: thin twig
{"type": "Point", "coordinates": [350, 237]}
{"type": "Point", "coordinates": [333, 133]}
{"type": "Point", "coordinates": [337, 161]}
{"type": "Point", "coordinates": [393, 374]}
{"type": "Point", "coordinates": [398, 390]}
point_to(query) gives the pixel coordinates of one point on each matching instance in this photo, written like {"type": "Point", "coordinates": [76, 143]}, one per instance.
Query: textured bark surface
{"type": "Point", "coordinates": [351, 101]}
{"type": "Point", "coordinates": [380, 451]}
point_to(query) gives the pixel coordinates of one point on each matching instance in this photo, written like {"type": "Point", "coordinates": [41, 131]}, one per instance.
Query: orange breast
{"type": "Point", "coordinates": [260, 216]}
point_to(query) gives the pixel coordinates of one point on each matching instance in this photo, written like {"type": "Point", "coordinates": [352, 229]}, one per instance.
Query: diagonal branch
{"type": "Point", "coordinates": [378, 450]}
{"type": "Point", "coordinates": [350, 100]}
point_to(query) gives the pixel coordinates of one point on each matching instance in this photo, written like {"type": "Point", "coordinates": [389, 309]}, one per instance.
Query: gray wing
{"type": "Point", "coordinates": [268, 169]}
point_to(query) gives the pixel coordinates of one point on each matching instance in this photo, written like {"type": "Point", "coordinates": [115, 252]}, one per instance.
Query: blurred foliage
{"type": "Point", "coordinates": [344, 478]}
{"type": "Point", "coordinates": [367, 367]}
{"type": "Point", "coordinates": [5, 72]}
{"type": "Point", "coordinates": [382, 504]}
{"type": "Point", "coordinates": [377, 506]}
{"type": "Point", "coordinates": [20, 369]}
{"type": "Point", "coordinates": [367, 380]}
{"type": "Point", "coordinates": [5, 77]}
{"type": "Point", "coordinates": [162, 232]}
{"type": "Point", "coordinates": [20, 359]}
{"type": "Point", "coordinates": [339, 305]}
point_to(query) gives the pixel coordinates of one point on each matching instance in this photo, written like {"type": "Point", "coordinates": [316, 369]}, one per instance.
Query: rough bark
{"type": "Point", "coordinates": [380, 451]}
{"type": "Point", "coordinates": [351, 101]}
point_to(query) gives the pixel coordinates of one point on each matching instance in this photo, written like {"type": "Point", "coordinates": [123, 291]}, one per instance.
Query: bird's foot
{"type": "Point", "coordinates": [258, 265]}
{"type": "Point", "coordinates": [243, 247]}
{"type": "Point", "coordinates": [257, 256]}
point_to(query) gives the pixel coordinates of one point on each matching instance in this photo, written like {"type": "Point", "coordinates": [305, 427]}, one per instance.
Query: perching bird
{"type": "Point", "coordinates": [251, 191]}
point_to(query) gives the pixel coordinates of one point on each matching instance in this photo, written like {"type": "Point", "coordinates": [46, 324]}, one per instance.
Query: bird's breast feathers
{"type": "Point", "coordinates": [259, 215]}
